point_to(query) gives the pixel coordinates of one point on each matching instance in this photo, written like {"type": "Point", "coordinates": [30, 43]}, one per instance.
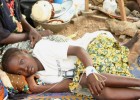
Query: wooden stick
{"type": "Point", "coordinates": [114, 15]}
{"type": "Point", "coordinates": [86, 5]}
{"type": "Point", "coordinates": [122, 10]}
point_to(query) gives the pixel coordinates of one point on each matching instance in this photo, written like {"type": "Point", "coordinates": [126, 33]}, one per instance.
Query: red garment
{"type": "Point", "coordinates": [11, 7]}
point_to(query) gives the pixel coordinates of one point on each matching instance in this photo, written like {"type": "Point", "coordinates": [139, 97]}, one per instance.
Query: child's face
{"type": "Point", "coordinates": [22, 64]}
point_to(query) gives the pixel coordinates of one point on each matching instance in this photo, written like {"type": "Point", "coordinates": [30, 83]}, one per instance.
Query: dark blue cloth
{"type": "Point", "coordinates": [7, 25]}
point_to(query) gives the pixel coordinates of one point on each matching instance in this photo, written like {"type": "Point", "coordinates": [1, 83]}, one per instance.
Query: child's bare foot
{"type": "Point", "coordinates": [135, 49]}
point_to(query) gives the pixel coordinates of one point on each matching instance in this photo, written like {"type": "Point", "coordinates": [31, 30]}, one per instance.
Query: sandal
{"type": "Point", "coordinates": [135, 13]}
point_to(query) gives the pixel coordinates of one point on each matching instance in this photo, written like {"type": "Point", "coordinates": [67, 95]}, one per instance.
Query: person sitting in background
{"type": "Point", "coordinates": [56, 58]}
{"type": "Point", "coordinates": [13, 26]}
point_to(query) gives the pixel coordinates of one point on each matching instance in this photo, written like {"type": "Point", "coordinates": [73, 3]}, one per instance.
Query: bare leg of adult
{"type": "Point", "coordinates": [118, 94]}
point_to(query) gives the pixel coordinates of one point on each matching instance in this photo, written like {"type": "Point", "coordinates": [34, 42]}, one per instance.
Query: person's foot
{"type": "Point", "coordinates": [134, 50]}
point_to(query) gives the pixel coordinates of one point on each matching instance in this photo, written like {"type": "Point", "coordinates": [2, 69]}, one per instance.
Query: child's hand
{"type": "Point", "coordinates": [32, 82]}
{"type": "Point", "coordinates": [95, 84]}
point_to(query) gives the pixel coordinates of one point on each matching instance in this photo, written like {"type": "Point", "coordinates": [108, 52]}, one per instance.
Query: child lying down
{"type": "Point", "coordinates": [91, 58]}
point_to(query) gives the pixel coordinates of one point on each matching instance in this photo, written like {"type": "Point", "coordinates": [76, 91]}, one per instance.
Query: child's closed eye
{"type": "Point", "coordinates": [19, 72]}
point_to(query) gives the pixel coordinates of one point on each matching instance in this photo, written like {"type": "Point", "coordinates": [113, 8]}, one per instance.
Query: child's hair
{"type": "Point", "coordinates": [7, 57]}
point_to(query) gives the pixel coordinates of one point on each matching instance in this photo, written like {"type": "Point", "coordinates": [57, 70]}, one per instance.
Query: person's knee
{"type": "Point", "coordinates": [106, 95]}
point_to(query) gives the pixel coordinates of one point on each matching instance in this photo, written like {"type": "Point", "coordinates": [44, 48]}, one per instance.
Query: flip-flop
{"type": "Point", "coordinates": [135, 13]}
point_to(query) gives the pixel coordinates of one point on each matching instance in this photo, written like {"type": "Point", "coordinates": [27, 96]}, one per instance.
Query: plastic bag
{"type": "Point", "coordinates": [110, 6]}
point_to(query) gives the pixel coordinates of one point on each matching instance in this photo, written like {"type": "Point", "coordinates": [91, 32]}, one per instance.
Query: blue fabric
{"type": "Point", "coordinates": [5, 92]}
{"type": "Point", "coordinates": [135, 70]}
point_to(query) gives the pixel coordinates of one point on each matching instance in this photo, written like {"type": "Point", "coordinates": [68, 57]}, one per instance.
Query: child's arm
{"type": "Point", "coordinates": [62, 86]}
{"type": "Point", "coordinates": [95, 86]}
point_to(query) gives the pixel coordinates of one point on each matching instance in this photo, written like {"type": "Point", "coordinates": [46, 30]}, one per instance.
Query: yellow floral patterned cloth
{"type": "Point", "coordinates": [107, 56]}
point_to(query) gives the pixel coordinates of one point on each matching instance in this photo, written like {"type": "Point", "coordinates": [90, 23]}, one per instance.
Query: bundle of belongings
{"type": "Point", "coordinates": [39, 9]}
{"type": "Point", "coordinates": [43, 11]}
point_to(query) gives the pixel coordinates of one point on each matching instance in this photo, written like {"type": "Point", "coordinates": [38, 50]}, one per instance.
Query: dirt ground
{"type": "Point", "coordinates": [81, 25]}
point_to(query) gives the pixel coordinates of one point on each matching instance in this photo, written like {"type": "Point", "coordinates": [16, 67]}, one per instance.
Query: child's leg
{"type": "Point", "coordinates": [120, 81]}
{"type": "Point", "coordinates": [116, 81]}
{"type": "Point", "coordinates": [118, 94]}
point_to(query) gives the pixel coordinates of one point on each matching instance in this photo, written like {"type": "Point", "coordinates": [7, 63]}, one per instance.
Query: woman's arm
{"type": "Point", "coordinates": [6, 37]}
{"type": "Point", "coordinates": [34, 36]}
{"type": "Point", "coordinates": [14, 38]}
{"type": "Point", "coordinates": [94, 85]}
{"type": "Point", "coordinates": [62, 86]}
{"type": "Point", "coordinates": [26, 26]}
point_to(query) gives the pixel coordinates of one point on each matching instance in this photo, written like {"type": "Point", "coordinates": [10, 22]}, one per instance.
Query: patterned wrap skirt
{"type": "Point", "coordinates": [107, 57]}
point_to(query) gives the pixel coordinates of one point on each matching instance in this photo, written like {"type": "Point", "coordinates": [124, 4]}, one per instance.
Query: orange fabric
{"type": "Point", "coordinates": [1, 91]}
{"type": "Point", "coordinates": [18, 81]}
